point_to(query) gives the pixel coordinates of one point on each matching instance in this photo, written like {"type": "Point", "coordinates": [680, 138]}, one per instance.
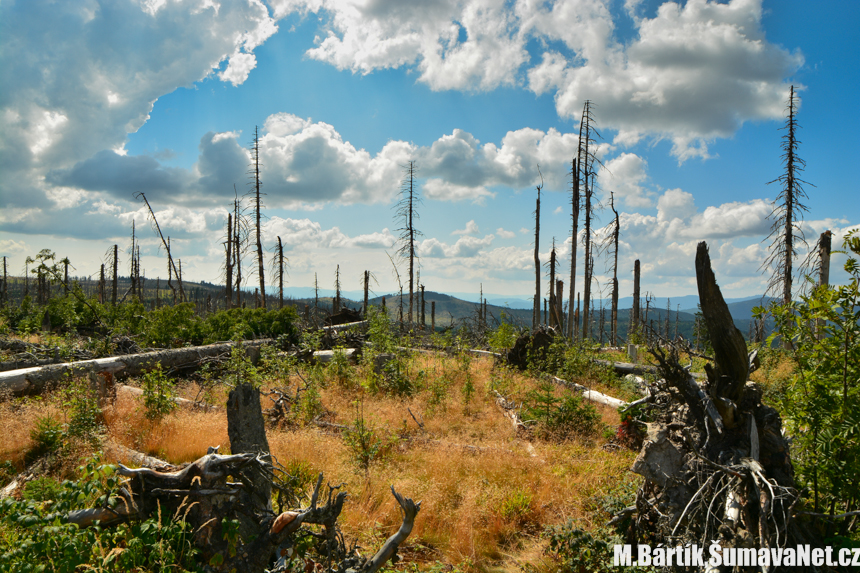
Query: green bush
{"type": "Point", "coordinates": [559, 418]}
{"type": "Point", "coordinates": [38, 538]}
{"type": "Point", "coordinates": [822, 403]}
{"type": "Point", "coordinates": [48, 437]}
{"type": "Point", "coordinates": [157, 394]}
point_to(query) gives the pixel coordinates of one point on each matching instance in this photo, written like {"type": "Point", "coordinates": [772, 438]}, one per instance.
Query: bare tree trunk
{"type": "Point", "coordinates": [366, 292]}
{"type": "Point", "coordinates": [574, 237]}
{"type": "Point", "coordinates": [280, 273]}
{"type": "Point", "coordinates": [433, 316]}
{"type": "Point", "coordinates": [114, 281]}
{"type": "Point", "coordinates": [166, 244]}
{"type": "Point", "coordinates": [261, 272]}
{"type": "Point", "coordinates": [553, 322]}
{"type": "Point", "coordinates": [336, 301]}
{"type": "Point", "coordinates": [536, 312]}
{"type": "Point", "coordinates": [824, 245]}
{"type": "Point", "coordinates": [633, 327]}
{"type": "Point", "coordinates": [559, 297]}
{"type": "Point", "coordinates": [423, 321]}
{"type": "Point", "coordinates": [228, 266]}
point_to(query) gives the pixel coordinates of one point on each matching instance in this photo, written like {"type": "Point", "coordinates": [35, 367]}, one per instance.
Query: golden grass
{"type": "Point", "coordinates": [483, 507]}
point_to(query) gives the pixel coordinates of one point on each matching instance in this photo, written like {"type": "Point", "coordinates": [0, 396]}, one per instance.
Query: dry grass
{"type": "Point", "coordinates": [486, 492]}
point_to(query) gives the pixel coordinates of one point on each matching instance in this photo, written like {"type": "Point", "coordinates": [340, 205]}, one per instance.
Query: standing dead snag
{"type": "Point", "coordinates": [407, 211]}
{"type": "Point", "coordinates": [170, 264]}
{"type": "Point", "coordinates": [574, 238]}
{"type": "Point", "coordinates": [536, 311]}
{"type": "Point", "coordinates": [787, 213]}
{"type": "Point", "coordinates": [255, 174]}
{"type": "Point", "coordinates": [715, 462]}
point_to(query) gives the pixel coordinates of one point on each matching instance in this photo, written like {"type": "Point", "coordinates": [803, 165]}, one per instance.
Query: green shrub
{"type": "Point", "coordinates": [37, 537]}
{"type": "Point", "coordinates": [559, 418]}
{"type": "Point", "coordinates": [48, 437]}
{"type": "Point", "coordinates": [82, 404]}
{"type": "Point", "coordinates": [822, 403]}
{"type": "Point", "coordinates": [158, 394]}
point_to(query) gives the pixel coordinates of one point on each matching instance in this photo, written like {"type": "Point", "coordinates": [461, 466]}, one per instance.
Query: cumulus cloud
{"type": "Point", "coordinates": [693, 72]}
{"type": "Point", "coordinates": [471, 45]}
{"type": "Point", "coordinates": [501, 232]}
{"type": "Point", "coordinates": [465, 247]}
{"type": "Point", "coordinates": [108, 63]}
{"type": "Point", "coordinates": [624, 176]}
{"type": "Point", "coordinates": [471, 229]}
{"type": "Point", "coordinates": [302, 235]}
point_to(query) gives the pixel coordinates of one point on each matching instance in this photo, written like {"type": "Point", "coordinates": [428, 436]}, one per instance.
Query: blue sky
{"type": "Point", "coordinates": [104, 98]}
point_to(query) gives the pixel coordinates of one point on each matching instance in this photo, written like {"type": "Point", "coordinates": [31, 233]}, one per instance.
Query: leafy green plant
{"type": "Point", "coordinates": [822, 404]}
{"type": "Point", "coordinates": [363, 440]}
{"type": "Point", "coordinates": [559, 418]}
{"type": "Point", "coordinates": [158, 394]}
{"type": "Point", "coordinates": [503, 337]}
{"type": "Point", "coordinates": [82, 404]}
{"type": "Point", "coordinates": [47, 437]}
{"type": "Point", "coordinates": [516, 505]}
{"type": "Point", "coordinates": [38, 538]}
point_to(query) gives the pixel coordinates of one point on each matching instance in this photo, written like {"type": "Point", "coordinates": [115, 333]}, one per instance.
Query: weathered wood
{"type": "Point", "coordinates": [246, 429]}
{"type": "Point", "coordinates": [184, 402]}
{"type": "Point", "coordinates": [410, 510]}
{"type": "Point", "coordinates": [590, 395]}
{"type": "Point", "coordinates": [29, 381]}
{"type": "Point", "coordinates": [729, 374]}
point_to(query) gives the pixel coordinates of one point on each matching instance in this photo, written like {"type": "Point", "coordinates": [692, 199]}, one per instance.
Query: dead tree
{"type": "Point", "coordinates": [715, 462]}
{"type": "Point", "coordinates": [280, 270]}
{"type": "Point", "coordinates": [335, 306]}
{"type": "Point", "coordinates": [407, 212]}
{"type": "Point", "coordinates": [586, 162]}
{"type": "Point", "coordinates": [228, 265]}
{"type": "Point", "coordinates": [633, 327]}
{"type": "Point", "coordinates": [787, 213]}
{"type": "Point", "coordinates": [616, 230]}
{"type": "Point", "coordinates": [4, 293]}
{"type": "Point", "coordinates": [574, 235]}
{"type": "Point", "coordinates": [536, 312]}
{"type": "Point", "coordinates": [170, 264]}
{"type": "Point", "coordinates": [202, 494]}
{"type": "Point", "coordinates": [114, 271]}
{"type": "Point", "coordinates": [240, 237]}
{"type": "Point", "coordinates": [255, 175]}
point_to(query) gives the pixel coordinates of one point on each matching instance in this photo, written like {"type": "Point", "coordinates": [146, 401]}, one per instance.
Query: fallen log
{"type": "Point", "coordinates": [184, 402]}
{"type": "Point", "coordinates": [32, 381]}
{"type": "Point", "coordinates": [590, 395]}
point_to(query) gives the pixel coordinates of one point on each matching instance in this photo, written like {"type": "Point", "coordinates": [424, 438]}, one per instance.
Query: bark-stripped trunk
{"type": "Point", "coordinates": [536, 312]}
{"type": "Point", "coordinates": [114, 281]}
{"type": "Point", "coordinates": [574, 239]}
{"type": "Point", "coordinates": [261, 272]}
{"type": "Point", "coordinates": [228, 266]}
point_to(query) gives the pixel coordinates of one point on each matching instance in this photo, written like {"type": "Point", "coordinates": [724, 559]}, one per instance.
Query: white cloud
{"type": "Point", "coordinates": [694, 72]}
{"type": "Point", "coordinates": [465, 247]}
{"type": "Point", "coordinates": [305, 235]}
{"type": "Point", "coordinates": [107, 64]}
{"type": "Point", "coordinates": [675, 204]}
{"type": "Point", "coordinates": [440, 190]}
{"type": "Point", "coordinates": [501, 232]}
{"type": "Point", "coordinates": [624, 175]}
{"type": "Point", "coordinates": [471, 229]}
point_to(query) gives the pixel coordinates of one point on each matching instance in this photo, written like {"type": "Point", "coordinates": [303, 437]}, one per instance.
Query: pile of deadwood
{"type": "Point", "coordinates": [219, 489]}
{"type": "Point", "coordinates": [715, 459]}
